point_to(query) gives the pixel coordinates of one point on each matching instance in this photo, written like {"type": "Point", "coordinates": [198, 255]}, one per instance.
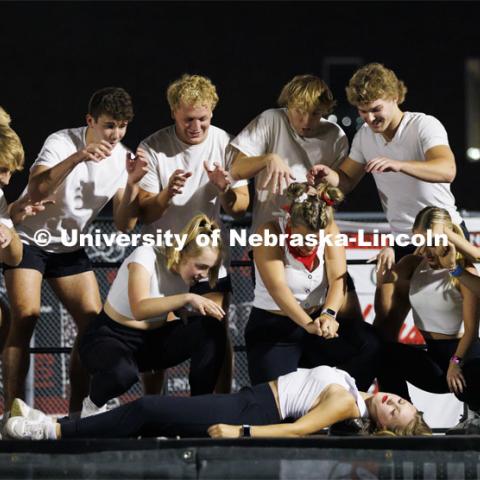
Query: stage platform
{"type": "Point", "coordinates": [318, 457]}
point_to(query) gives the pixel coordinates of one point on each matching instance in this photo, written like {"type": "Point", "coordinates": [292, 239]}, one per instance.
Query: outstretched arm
{"type": "Point", "coordinates": [438, 166]}
{"type": "Point", "coordinates": [346, 177]}
{"type": "Point", "coordinates": [278, 173]}
{"type": "Point", "coordinates": [44, 180]}
{"type": "Point", "coordinates": [143, 306]}
{"type": "Point", "coordinates": [391, 297]}
{"type": "Point", "coordinates": [336, 404]}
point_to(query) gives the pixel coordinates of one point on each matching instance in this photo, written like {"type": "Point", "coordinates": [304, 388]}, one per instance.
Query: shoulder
{"type": "Point", "coordinates": [331, 129]}
{"type": "Point", "coordinates": [422, 120]}
{"type": "Point", "coordinates": [158, 138]}
{"type": "Point", "coordinates": [67, 136]}
{"type": "Point", "coordinates": [144, 253]}
{"type": "Point", "coordinates": [218, 135]}
{"type": "Point", "coordinates": [407, 265]}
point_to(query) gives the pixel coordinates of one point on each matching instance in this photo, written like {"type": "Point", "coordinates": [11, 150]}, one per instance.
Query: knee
{"type": "Point", "coordinates": [120, 378]}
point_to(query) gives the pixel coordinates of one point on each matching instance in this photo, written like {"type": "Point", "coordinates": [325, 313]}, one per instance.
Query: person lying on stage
{"type": "Point", "coordinates": [133, 333]}
{"type": "Point", "coordinates": [299, 291]}
{"type": "Point", "coordinates": [440, 307]}
{"type": "Point", "coordinates": [315, 399]}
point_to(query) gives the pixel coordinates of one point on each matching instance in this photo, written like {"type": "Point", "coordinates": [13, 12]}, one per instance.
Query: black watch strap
{"type": "Point", "coordinates": [246, 431]}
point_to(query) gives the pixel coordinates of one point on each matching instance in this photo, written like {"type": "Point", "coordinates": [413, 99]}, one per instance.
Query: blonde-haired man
{"type": "Point", "coordinates": [282, 144]}
{"type": "Point", "coordinates": [407, 153]}
{"type": "Point", "coordinates": [188, 173]}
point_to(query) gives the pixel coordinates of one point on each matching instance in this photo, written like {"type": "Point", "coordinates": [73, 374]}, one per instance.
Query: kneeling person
{"type": "Point", "coordinates": [133, 335]}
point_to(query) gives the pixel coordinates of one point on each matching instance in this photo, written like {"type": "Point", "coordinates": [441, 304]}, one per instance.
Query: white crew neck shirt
{"type": "Point", "coordinates": [271, 132]}
{"type": "Point", "coordinates": [401, 195]}
{"type": "Point", "coordinates": [81, 196]}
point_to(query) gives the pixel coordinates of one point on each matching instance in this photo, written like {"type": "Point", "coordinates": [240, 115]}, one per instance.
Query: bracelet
{"type": "Point", "coordinates": [456, 360]}
{"type": "Point", "coordinates": [330, 312]}
{"type": "Point", "coordinates": [457, 271]}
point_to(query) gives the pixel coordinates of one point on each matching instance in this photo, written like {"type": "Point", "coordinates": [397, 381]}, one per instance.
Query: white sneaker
{"type": "Point", "coordinates": [89, 408]}
{"type": "Point", "coordinates": [21, 428]}
{"type": "Point", "coordinates": [21, 409]}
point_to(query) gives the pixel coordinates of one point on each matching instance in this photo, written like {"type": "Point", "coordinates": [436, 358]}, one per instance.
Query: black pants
{"type": "Point", "coordinates": [427, 369]}
{"type": "Point", "coordinates": [114, 354]}
{"type": "Point", "coordinates": [157, 415]}
{"type": "Point", "coordinates": [276, 345]}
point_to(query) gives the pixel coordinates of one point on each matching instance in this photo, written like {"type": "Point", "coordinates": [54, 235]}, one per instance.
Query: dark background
{"type": "Point", "coordinates": [55, 54]}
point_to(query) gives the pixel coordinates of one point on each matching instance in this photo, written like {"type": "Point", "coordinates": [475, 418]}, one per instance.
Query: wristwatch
{"type": "Point", "coordinates": [456, 360]}
{"type": "Point", "coordinates": [246, 431]}
{"type": "Point", "coordinates": [329, 311]}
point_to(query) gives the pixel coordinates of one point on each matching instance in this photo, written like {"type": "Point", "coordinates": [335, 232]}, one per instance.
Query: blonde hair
{"type": "Point", "coordinates": [417, 426]}
{"type": "Point", "coordinates": [427, 217]}
{"type": "Point", "coordinates": [307, 93]}
{"type": "Point", "coordinates": [192, 90]}
{"type": "Point", "coordinates": [312, 207]}
{"type": "Point", "coordinates": [200, 224]}
{"type": "Point", "coordinates": [12, 155]}
{"type": "Point", "coordinates": [373, 82]}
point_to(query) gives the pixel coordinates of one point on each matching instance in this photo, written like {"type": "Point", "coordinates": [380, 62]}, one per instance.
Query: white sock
{"type": "Point", "coordinates": [51, 430]}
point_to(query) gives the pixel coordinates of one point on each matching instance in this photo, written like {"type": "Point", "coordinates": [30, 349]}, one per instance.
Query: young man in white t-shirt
{"type": "Point", "coordinates": [282, 144]}
{"type": "Point", "coordinates": [187, 174]}
{"type": "Point", "coordinates": [407, 153]}
{"type": "Point", "coordinates": [78, 171]}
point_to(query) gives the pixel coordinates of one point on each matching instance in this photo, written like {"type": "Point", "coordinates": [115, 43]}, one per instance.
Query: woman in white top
{"type": "Point", "coordinates": [299, 291]}
{"type": "Point", "coordinates": [134, 332]}
{"type": "Point", "coordinates": [314, 399]}
{"type": "Point", "coordinates": [441, 306]}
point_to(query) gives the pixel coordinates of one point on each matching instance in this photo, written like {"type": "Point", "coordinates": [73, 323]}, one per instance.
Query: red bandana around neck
{"type": "Point", "coordinates": [307, 260]}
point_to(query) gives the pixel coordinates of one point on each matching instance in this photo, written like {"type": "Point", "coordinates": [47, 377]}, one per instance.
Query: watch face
{"type": "Point", "coordinates": [331, 312]}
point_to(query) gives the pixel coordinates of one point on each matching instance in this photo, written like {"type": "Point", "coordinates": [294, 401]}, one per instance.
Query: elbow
{"type": "Point", "coordinates": [123, 226]}
{"type": "Point", "coordinates": [34, 194]}
{"type": "Point", "coordinates": [235, 173]}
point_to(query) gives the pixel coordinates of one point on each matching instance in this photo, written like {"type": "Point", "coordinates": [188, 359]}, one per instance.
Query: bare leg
{"type": "Point", "coordinates": [81, 297]}
{"type": "Point", "coordinates": [224, 382]}
{"type": "Point", "coordinates": [24, 290]}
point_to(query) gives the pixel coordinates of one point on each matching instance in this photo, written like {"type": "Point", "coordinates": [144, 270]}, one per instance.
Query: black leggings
{"type": "Point", "coordinates": [114, 354]}
{"type": "Point", "coordinates": [427, 369]}
{"type": "Point", "coordinates": [157, 415]}
{"type": "Point", "coordinates": [276, 345]}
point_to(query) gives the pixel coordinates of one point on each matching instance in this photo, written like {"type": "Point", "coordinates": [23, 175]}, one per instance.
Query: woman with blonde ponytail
{"type": "Point", "coordinates": [300, 288]}
{"type": "Point", "coordinates": [444, 310]}
{"type": "Point", "coordinates": [134, 333]}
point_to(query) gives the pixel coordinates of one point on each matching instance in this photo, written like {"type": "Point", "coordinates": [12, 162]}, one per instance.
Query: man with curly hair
{"type": "Point", "coordinates": [407, 153]}
{"type": "Point", "coordinates": [76, 173]}
{"type": "Point", "coordinates": [188, 173]}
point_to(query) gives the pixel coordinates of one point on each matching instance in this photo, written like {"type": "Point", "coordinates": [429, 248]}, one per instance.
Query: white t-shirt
{"type": "Point", "coordinates": [81, 196]}
{"type": "Point", "coordinates": [4, 216]}
{"type": "Point", "coordinates": [297, 391]}
{"type": "Point", "coordinates": [437, 305]}
{"type": "Point", "coordinates": [163, 282]}
{"type": "Point", "coordinates": [403, 196]}
{"type": "Point", "coordinates": [167, 153]}
{"type": "Point", "coordinates": [271, 132]}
